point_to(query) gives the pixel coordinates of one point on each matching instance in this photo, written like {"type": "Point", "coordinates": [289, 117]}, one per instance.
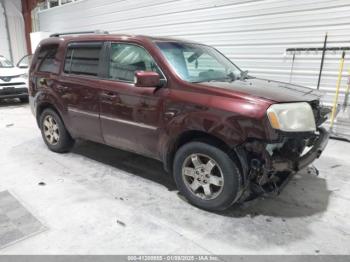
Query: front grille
{"type": "Point", "coordinates": [8, 78]}
{"type": "Point", "coordinates": [12, 84]}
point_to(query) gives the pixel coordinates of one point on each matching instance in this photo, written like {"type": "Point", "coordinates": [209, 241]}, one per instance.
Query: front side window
{"type": "Point", "coordinates": [46, 59]}
{"type": "Point", "coordinates": [4, 63]}
{"type": "Point", "coordinates": [83, 59]}
{"type": "Point", "coordinates": [126, 59]}
{"type": "Point", "coordinates": [198, 63]}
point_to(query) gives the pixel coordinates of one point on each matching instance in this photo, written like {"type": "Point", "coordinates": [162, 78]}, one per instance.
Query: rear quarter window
{"type": "Point", "coordinates": [46, 61]}
{"type": "Point", "coordinates": [83, 59]}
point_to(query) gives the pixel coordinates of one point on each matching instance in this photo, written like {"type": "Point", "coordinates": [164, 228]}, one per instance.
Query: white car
{"type": "Point", "coordinates": [14, 79]}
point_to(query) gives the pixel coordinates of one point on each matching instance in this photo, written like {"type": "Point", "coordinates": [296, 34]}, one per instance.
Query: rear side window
{"type": "Point", "coordinates": [83, 59]}
{"type": "Point", "coordinates": [46, 59]}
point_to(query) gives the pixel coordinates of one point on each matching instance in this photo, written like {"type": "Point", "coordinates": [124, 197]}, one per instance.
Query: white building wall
{"type": "Point", "coordinates": [13, 43]}
{"type": "Point", "coordinates": [4, 42]}
{"type": "Point", "coordinates": [253, 33]}
{"type": "Point", "coordinates": [16, 28]}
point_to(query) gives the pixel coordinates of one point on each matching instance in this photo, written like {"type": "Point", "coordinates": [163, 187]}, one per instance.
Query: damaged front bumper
{"type": "Point", "coordinates": [296, 164]}
{"type": "Point", "coordinates": [272, 165]}
{"type": "Point", "coordinates": [316, 150]}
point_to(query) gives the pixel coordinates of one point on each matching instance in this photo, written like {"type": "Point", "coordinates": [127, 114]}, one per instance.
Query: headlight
{"type": "Point", "coordinates": [292, 117]}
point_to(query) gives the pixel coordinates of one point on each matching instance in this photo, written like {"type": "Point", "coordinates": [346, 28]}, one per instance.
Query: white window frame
{"type": "Point", "coordinates": [48, 5]}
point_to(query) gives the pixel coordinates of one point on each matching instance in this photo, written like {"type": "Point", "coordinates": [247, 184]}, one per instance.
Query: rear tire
{"type": "Point", "coordinates": [54, 133]}
{"type": "Point", "coordinates": [206, 176]}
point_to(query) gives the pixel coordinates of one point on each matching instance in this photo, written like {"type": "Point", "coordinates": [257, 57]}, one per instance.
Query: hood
{"type": "Point", "coordinates": [268, 89]}
{"type": "Point", "coordinates": [11, 71]}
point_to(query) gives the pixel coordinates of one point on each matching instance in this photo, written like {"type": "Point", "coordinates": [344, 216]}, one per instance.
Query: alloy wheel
{"type": "Point", "coordinates": [51, 131]}
{"type": "Point", "coordinates": [202, 176]}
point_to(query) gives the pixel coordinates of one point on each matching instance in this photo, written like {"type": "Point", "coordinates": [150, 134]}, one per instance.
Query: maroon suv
{"type": "Point", "coordinates": [224, 135]}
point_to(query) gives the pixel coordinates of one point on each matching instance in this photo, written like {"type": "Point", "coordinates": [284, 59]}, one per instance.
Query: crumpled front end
{"type": "Point", "coordinates": [272, 163]}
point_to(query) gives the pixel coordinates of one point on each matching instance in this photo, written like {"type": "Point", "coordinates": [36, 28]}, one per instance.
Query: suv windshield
{"type": "Point", "coordinates": [4, 62]}
{"type": "Point", "coordinates": [199, 63]}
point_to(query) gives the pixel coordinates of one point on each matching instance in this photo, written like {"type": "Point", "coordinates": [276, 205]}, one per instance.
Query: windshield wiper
{"type": "Point", "coordinates": [228, 79]}
{"type": "Point", "coordinates": [244, 75]}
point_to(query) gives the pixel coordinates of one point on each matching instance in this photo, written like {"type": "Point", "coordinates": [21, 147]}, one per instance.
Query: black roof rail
{"type": "Point", "coordinates": [80, 33]}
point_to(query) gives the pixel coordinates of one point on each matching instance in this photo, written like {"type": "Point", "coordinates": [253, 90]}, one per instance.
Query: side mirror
{"type": "Point", "coordinates": [147, 79]}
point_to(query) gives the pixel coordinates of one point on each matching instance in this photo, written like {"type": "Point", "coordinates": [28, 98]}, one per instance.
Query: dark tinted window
{"type": "Point", "coordinates": [126, 59]}
{"type": "Point", "coordinates": [83, 59]}
{"type": "Point", "coordinates": [46, 59]}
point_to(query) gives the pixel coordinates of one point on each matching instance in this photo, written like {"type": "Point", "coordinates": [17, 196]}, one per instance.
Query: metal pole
{"type": "Point", "coordinates": [291, 70]}
{"type": "Point", "coordinates": [322, 60]}
{"type": "Point", "coordinates": [340, 74]}
{"type": "Point", "coordinates": [310, 49]}
{"type": "Point", "coordinates": [346, 97]}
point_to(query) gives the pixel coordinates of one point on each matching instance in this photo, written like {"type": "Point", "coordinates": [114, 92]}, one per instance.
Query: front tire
{"type": "Point", "coordinates": [206, 176]}
{"type": "Point", "coordinates": [54, 133]}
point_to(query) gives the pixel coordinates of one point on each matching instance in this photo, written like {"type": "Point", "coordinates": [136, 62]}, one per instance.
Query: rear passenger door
{"type": "Point", "coordinates": [78, 88]}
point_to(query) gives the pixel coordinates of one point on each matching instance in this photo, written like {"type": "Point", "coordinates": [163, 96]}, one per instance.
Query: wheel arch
{"type": "Point", "coordinates": [41, 107]}
{"type": "Point", "coordinates": [201, 136]}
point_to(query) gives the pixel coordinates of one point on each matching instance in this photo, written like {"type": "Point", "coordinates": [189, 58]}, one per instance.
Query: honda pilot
{"type": "Point", "coordinates": [224, 135]}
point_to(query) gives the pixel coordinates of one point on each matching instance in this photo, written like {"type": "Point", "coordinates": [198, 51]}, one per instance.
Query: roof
{"type": "Point", "coordinates": [107, 37]}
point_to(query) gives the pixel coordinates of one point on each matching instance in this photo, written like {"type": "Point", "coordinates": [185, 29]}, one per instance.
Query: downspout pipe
{"type": "Point", "coordinates": [27, 6]}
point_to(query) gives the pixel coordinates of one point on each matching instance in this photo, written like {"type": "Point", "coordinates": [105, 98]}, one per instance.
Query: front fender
{"type": "Point", "coordinates": [231, 128]}
{"type": "Point", "coordinates": [212, 124]}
